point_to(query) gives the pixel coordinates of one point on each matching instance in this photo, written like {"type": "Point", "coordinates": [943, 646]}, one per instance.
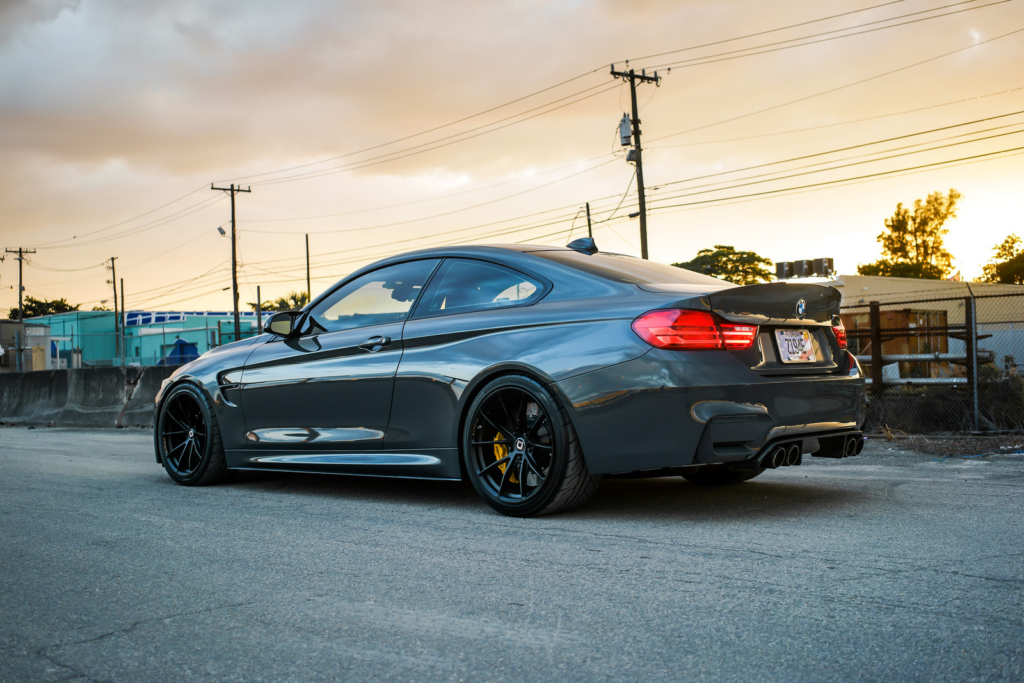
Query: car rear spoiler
{"type": "Point", "coordinates": [777, 302]}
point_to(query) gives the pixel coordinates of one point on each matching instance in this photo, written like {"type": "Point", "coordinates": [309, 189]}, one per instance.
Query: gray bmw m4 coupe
{"type": "Point", "coordinates": [531, 371]}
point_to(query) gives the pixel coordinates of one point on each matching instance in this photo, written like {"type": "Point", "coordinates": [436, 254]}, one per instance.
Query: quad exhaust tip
{"type": "Point", "coordinates": [793, 455]}
{"type": "Point", "coordinates": [785, 455]}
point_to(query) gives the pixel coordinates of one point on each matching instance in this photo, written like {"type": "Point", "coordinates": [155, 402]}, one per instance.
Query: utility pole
{"type": "Point", "coordinates": [123, 321]}
{"type": "Point", "coordinates": [20, 251]}
{"type": "Point", "coordinates": [309, 290]}
{"type": "Point", "coordinates": [117, 324]}
{"type": "Point", "coordinates": [234, 259]}
{"type": "Point", "coordinates": [259, 311]}
{"type": "Point", "coordinates": [642, 77]}
{"type": "Point", "coordinates": [590, 230]}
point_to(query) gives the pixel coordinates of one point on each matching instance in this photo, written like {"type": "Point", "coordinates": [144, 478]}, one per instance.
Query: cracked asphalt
{"type": "Point", "coordinates": [890, 566]}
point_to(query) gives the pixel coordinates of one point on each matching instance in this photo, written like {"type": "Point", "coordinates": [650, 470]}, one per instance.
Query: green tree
{"type": "Point", "coordinates": [912, 240]}
{"type": "Point", "coordinates": [292, 302]}
{"type": "Point", "coordinates": [35, 307]}
{"type": "Point", "coordinates": [1007, 264]}
{"type": "Point", "coordinates": [740, 267]}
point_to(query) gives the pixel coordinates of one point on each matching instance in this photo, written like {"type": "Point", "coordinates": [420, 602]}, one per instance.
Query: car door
{"type": "Point", "coordinates": [330, 388]}
{"type": "Point", "coordinates": [454, 332]}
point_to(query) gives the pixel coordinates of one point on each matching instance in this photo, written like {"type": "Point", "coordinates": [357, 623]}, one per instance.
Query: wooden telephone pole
{"type": "Point", "coordinates": [20, 251]}
{"type": "Point", "coordinates": [117, 322]}
{"type": "Point", "coordinates": [633, 78]}
{"type": "Point", "coordinates": [234, 259]}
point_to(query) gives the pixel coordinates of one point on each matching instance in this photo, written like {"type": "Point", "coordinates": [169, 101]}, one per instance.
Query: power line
{"type": "Point", "coordinates": [859, 156]}
{"type": "Point", "coordinates": [843, 149]}
{"type": "Point", "coordinates": [423, 132]}
{"type": "Point", "coordinates": [531, 227]}
{"type": "Point", "coordinates": [129, 220]}
{"type": "Point", "coordinates": [427, 146]}
{"type": "Point", "coordinates": [446, 213]}
{"type": "Point", "coordinates": [145, 227]}
{"type": "Point", "coordinates": [427, 199]}
{"type": "Point", "coordinates": [838, 123]}
{"type": "Point", "coordinates": [780, 45]}
{"type": "Point", "coordinates": [491, 110]}
{"type": "Point", "coordinates": [762, 33]}
{"type": "Point", "coordinates": [40, 266]}
{"type": "Point", "coordinates": [547, 89]}
{"type": "Point", "coordinates": [727, 201]}
{"type": "Point", "coordinates": [421, 149]}
{"type": "Point", "coordinates": [833, 168]}
{"type": "Point", "coordinates": [178, 286]}
{"type": "Point", "coordinates": [843, 180]}
{"type": "Point", "coordinates": [838, 88]}
{"type": "Point", "coordinates": [461, 230]}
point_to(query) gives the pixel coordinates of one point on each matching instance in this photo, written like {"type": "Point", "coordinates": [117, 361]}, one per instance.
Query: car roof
{"type": "Point", "coordinates": [473, 250]}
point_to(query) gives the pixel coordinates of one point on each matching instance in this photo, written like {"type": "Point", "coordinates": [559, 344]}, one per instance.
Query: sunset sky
{"type": "Point", "coordinates": [378, 127]}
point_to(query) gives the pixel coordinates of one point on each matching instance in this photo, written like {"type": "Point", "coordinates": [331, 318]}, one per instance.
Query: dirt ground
{"type": "Point", "coordinates": [953, 446]}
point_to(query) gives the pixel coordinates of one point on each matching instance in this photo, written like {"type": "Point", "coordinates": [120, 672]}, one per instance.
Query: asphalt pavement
{"type": "Point", "coordinates": [889, 566]}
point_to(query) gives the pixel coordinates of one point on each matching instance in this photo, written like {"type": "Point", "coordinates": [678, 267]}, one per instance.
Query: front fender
{"type": "Point", "coordinates": [206, 373]}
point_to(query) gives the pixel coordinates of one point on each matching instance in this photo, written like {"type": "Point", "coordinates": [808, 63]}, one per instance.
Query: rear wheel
{"type": "Point", "coordinates": [188, 438]}
{"type": "Point", "coordinates": [720, 475]}
{"type": "Point", "coordinates": [521, 452]}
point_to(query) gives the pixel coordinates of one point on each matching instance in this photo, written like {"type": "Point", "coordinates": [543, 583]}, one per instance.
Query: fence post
{"type": "Point", "coordinates": [971, 344]}
{"type": "Point", "coordinates": [875, 320]}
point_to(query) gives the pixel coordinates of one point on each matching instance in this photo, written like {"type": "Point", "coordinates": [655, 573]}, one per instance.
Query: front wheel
{"type": "Point", "coordinates": [521, 452]}
{"type": "Point", "coordinates": [188, 438]}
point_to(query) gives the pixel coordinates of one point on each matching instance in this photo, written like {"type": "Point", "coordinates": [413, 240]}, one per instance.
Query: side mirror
{"type": "Point", "coordinates": [282, 324]}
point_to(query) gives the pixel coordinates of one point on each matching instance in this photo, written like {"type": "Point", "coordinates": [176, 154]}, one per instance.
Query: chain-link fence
{"type": "Point", "coordinates": [940, 365]}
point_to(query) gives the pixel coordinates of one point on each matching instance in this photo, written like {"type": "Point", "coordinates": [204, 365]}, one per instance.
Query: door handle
{"type": "Point", "coordinates": [374, 344]}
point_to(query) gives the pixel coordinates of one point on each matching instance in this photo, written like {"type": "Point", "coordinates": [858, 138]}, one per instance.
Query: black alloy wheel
{"type": "Point", "coordinates": [521, 452]}
{"type": "Point", "coordinates": [188, 438]}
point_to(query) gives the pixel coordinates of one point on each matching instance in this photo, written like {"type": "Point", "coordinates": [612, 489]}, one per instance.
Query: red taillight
{"type": "Point", "coordinates": [738, 336]}
{"type": "Point", "coordinates": [683, 329]}
{"type": "Point", "coordinates": [676, 329]}
{"type": "Point", "coordinates": [840, 332]}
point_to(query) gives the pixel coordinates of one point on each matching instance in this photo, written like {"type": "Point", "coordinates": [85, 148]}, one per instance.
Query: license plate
{"type": "Point", "coordinates": [795, 346]}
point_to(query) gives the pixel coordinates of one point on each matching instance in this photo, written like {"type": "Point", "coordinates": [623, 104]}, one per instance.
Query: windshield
{"type": "Point", "coordinates": [627, 269]}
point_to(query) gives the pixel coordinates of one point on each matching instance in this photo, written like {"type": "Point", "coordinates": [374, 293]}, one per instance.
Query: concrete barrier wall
{"type": "Point", "coordinates": [89, 397]}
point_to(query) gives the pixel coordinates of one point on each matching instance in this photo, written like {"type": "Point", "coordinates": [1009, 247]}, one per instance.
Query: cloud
{"type": "Point", "coordinates": [113, 107]}
{"type": "Point", "coordinates": [17, 16]}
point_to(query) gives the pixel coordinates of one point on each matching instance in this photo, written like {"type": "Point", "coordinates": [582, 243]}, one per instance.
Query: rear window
{"type": "Point", "coordinates": [464, 285]}
{"type": "Point", "coordinates": [626, 269]}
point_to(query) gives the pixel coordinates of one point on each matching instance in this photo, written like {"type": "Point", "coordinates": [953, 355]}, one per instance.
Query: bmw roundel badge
{"type": "Point", "coordinates": [801, 308]}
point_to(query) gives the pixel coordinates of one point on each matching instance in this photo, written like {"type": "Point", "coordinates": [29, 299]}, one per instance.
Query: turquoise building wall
{"type": "Point", "coordinates": [148, 335]}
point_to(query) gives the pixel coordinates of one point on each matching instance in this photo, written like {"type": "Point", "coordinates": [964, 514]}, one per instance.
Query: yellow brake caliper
{"type": "Point", "coordinates": [501, 451]}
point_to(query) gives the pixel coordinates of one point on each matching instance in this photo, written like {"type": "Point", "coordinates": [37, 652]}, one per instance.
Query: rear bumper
{"type": "Point", "coordinates": [674, 409]}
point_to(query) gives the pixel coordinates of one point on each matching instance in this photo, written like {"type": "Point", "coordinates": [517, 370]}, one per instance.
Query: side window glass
{"type": "Point", "coordinates": [383, 296]}
{"type": "Point", "coordinates": [463, 285]}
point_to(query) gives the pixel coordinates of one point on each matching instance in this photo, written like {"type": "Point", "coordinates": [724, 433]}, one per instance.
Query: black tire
{"type": "Point", "coordinates": [720, 475]}
{"type": "Point", "coordinates": [546, 472]}
{"type": "Point", "coordinates": [188, 438]}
